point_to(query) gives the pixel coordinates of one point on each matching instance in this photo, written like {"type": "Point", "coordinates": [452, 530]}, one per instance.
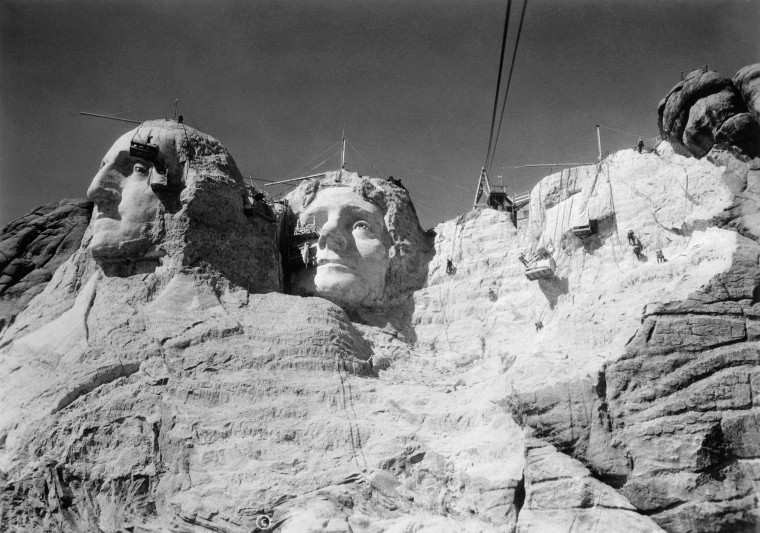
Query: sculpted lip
{"type": "Point", "coordinates": [332, 263]}
{"type": "Point", "coordinates": [102, 217]}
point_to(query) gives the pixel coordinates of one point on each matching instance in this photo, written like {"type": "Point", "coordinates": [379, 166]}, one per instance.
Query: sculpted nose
{"type": "Point", "coordinates": [105, 189]}
{"type": "Point", "coordinates": [332, 234]}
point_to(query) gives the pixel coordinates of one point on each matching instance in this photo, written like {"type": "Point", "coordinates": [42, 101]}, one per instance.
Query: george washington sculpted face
{"type": "Point", "coordinates": [126, 206]}
{"type": "Point", "coordinates": [170, 196]}
{"type": "Point", "coordinates": [352, 250]}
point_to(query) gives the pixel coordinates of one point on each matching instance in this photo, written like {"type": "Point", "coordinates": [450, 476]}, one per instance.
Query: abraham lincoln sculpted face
{"type": "Point", "coordinates": [352, 249]}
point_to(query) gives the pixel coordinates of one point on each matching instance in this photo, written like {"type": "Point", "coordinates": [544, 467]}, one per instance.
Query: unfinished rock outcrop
{"type": "Point", "coordinates": [705, 109]}
{"type": "Point", "coordinates": [669, 423]}
{"type": "Point", "coordinates": [557, 335]}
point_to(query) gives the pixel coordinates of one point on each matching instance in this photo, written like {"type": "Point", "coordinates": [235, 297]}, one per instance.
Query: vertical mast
{"type": "Point", "coordinates": [599, 141]}
{"type": "Point", "coordinates": [343, 150]}
{"type": "Point", "coordinates": [484, 187]}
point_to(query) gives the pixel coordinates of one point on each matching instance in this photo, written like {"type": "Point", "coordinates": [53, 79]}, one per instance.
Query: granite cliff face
{"type": "Point", "coordinates": [614, 395]}
{"type": "Point", "coordinates": [33, 247]}
{"type": "Point", "coordinates": [571, 382]}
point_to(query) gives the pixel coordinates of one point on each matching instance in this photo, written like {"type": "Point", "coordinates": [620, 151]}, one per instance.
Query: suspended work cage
{"type": "Point", "coordinates": [543, 271]}
{"type": "Point", "coordinates": [540, 266]}
{"type": "Point", "coordinates": [586, 230]}
{"type": "Point", "coordinates": [143, 148]}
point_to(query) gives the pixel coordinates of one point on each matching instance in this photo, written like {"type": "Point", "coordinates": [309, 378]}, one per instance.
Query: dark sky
{"type": "Point", "coordinates": [412, 80]}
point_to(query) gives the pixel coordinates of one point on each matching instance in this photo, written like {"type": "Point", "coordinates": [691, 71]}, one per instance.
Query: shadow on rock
{"type": "Point", "coordinates": [553, 288]}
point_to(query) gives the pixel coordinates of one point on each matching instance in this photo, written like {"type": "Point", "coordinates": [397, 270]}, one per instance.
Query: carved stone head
{"type": "Point", "coordinates": [167, 194]}
{"type": "Point", "coordinates": [128, 220]}
{"type": "Point", "coordinates": [369, 248]}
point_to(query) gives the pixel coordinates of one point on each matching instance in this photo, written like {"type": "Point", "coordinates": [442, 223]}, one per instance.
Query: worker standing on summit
{"type": "Point", "coordinates": [640, 144]}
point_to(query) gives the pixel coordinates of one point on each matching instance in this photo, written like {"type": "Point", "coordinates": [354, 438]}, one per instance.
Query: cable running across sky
{"type": "Point", "coordinates": [498, 79]}
{"type": "Point", "coordinates": [509, 82]}
{"type": "Point", "coordinates": [495, 129]}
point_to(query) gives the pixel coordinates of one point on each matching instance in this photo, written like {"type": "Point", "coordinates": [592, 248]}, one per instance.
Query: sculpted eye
{"type": "Point", "coordinates": [364, 226]}
{"type": "Point", "coordinates": [141, 168]}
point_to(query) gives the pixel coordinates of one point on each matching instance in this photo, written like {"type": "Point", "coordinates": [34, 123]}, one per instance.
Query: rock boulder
{"type": "Point", "coordinates": [747, 80]}
{"type": "Point", "coordinates": [706, 109]}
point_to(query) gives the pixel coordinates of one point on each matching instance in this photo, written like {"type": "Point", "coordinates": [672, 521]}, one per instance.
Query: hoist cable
{"type": "Point", "coordinates": [312, 169]}
{"type": "Point", "coordinates": [498, 80]}
{"type": "Point", "coordinates": [509, 82]}
{"type": "Point", "coordinates": [448, 182]}
{"type": "Point", "coordinates": [306, 166]}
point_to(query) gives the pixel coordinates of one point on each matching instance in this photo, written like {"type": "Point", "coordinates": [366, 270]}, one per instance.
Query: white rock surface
{"type": "Point", "coordinates": [593, 305]}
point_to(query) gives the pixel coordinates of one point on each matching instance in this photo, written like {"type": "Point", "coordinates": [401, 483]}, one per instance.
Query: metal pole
{"type": "Point", "coordinates": [599, 141]}
{"type": "Point", "coordinates": [110, 118]}
{"type": "Point", "coordinates": [292, 180]}
{"type": "Point", "coordinates": [285, 181]}
{"type": "Point", "coordinates": [343, 151]}
{"type": "Point", "coordinates": [556, 165]}
{"type": "Point", "coordinates": [477, 191]}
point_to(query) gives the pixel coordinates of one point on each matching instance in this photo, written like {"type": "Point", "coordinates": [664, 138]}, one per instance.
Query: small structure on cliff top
{"type": "Point", "coordinates": [487, 196]}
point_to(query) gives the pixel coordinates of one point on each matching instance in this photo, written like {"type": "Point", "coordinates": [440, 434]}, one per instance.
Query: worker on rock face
{"type": "Point", "coordinates": [449, 266]}
{"type": "Point", "coordinates": [636, 243]}
{"type": "Point", "coordinates": [524, 261]}
{"type": "Point", "coordinates": [640, 144]}
{"type": "Point", "coordinates": [661, 257]}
